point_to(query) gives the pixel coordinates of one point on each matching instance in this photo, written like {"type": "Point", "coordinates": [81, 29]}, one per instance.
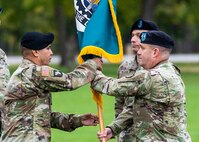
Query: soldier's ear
{"type": "Point", "coordinates": [35, 53]}
{"type": "Point", "coordinates": [156, 52]}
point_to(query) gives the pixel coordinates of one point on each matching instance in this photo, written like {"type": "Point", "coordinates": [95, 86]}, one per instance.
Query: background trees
{"type": "Point", "coordinates": [176, 17]}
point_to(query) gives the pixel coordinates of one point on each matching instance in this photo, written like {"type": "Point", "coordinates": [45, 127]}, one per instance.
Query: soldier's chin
{"type": "Point", "coordinates": [139, 61]}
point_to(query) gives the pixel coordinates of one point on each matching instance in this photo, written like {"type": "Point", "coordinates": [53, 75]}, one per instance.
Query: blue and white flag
{"type": "Point", "coordinates": [97, 29]}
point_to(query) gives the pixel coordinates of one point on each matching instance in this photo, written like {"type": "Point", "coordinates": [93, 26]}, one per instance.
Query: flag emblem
{"type": "Point", "coordinates": [45, 71]}
{"type": "Point", "coordinates": [83, 12]}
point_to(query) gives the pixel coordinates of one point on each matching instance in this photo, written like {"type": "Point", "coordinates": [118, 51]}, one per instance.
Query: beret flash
{"type": "Point", "coordinates": [159, 38]}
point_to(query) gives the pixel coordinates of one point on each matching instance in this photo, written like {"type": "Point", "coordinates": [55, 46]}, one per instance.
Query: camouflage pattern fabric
{"type": "Point", "coordinates": [28, 99]}
{"type": "Point", "coordinates": [127, 68]}
{"type": "Point", "coordinates": [159, 112]}
{"type": "Point", "coordinates": [124, 105]}
{"type": "Point", "coordinates": [4, 78]}
{"type": "Point", "coordinates": [66, 122]}
{"type": "Point", "coordinates": [123, 123]}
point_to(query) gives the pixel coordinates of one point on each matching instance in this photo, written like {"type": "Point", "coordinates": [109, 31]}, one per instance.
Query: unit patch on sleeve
{"type": "Point", "coordinates": [57, 73]}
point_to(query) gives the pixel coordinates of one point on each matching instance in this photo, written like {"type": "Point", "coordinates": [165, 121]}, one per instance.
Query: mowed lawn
{"type": "Point", "coordinates": [80, 101]}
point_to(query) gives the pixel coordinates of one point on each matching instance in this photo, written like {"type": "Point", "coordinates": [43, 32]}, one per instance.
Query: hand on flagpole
{"type": "Point", "coordinates": [99, 63]}
{"type": "Point", "coordinates": [106, 134]}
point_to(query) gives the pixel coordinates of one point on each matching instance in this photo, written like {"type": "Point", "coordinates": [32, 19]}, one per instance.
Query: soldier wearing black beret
{"type": "Point", "coordinates": [124, 105]}
{"type": "Point", "coordinates": [28, 97]}
{"type": "Point", "coordinates": [155, 42]}
{"type": "Point", "coordinates": [159, 112]}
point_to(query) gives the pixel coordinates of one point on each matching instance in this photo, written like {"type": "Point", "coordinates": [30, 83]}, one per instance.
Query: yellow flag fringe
{"type": "Point", "coordinates": [99, 52]}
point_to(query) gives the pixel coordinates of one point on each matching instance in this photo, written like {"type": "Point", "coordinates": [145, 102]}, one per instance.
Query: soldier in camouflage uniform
{"type": "Point", "coordinates": [4, 78]}
{"type": "Point", "coordinates": [159, 112]}
{"type": "Point", "coordinates": [28, 97]}
{"type": "Point", "coordinates": [124, 105]}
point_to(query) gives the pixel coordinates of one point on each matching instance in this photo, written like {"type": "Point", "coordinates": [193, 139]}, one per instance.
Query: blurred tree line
{"type": "Point", "coordinates": [177, 17]}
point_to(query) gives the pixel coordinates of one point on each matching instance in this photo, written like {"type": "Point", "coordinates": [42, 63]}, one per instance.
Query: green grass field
{"type": "Point", "coordinates": [80, 101]}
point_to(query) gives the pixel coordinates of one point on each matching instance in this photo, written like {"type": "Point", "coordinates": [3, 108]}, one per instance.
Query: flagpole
{"type": "Point", "coordinates": [101, 122]}
{"type": "Point", "coordinates": [98, 99]}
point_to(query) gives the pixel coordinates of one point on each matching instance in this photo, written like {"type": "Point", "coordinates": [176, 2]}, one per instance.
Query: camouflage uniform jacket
{"type": "Point", "coordinates": [4, 78]}
{"type": "Point", "coordinates": [128, 67]}
{"type": "Point", "coordinates": [159, 112]}
{"type": "Point", "coordinates": [28, 99]}
{"type": "Point", "coordinates": [122, 126]}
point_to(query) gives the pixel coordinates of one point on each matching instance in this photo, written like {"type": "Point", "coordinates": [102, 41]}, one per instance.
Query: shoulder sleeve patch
{"type": "Point", "coordinates": [57, 73]}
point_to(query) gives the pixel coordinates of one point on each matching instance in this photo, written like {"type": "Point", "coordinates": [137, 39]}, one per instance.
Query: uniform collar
{"type": "Point", "coordinates": [26, 62]}
{"type": "Point", "coordinates": [162, 63]}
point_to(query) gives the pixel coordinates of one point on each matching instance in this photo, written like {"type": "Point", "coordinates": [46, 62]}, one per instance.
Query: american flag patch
{"type": "Point", "coordinates": [45, 71]}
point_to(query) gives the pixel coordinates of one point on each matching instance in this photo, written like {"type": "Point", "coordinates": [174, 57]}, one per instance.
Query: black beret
{"type": "Point", "coordinates": [142, 24]}
{"type": "Point", "coordinates": [36, 40]}
{"type": "Point", "coordinates": [159, 38]}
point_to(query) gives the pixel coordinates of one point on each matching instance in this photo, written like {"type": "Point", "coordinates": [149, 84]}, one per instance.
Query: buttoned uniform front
{"type": "Point", "coordinates": [159, 113]}
{"type": "Point", "coordinates": [4, 78]}
{"type": "Point", "coordinates": [28, 100]}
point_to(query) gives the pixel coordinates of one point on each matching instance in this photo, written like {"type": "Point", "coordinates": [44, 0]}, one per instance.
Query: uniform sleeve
{"type": "Point", "coordinates": [119, 103]}
{"type": "Point", "coordinates": [128, 67]}
{"type": "Point", "coordinates": [138, 84]}
{"type": "Point", "coordinates": [66, 122]}
{"type": "Point", "coordinates": [4, 78]}
{"type": "Point", "coordinates": [54, 80]}
{"type": "Point", "coordinates": [124, 119]}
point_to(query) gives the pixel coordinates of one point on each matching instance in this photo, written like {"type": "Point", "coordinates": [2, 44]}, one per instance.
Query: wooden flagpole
{"type": "Point", "coordinates": [98, 99]}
